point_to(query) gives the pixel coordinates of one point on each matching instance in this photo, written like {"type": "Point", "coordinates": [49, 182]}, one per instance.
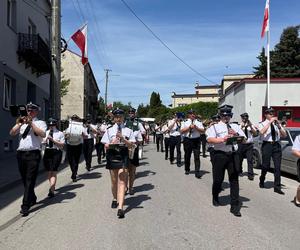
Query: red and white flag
{"type": "Point", "coordinates": [265, 26]}
{"type": "Point", "coordinates": [80, 38]}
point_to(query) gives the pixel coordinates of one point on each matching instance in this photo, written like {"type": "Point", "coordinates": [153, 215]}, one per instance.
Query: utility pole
{"type": "Point", "coordinates": [106, 83]}
{"type": "Point", "coordinates": [55, 101]}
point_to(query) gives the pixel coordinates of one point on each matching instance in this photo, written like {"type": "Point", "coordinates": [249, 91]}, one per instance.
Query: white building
{"type": "Point", "coordinates": [25, 61]}
{"type": "Point", "coordinates": [83, 91]}
{"type": "Point", "coordinates": [250, 95]}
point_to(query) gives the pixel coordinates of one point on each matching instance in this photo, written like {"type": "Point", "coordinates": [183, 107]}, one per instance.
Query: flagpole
{"type": "Point", "coordinates": [268, 60]}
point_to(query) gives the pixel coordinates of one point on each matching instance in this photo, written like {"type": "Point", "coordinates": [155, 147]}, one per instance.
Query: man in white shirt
{"type": "Point", "coordinates": [31, 131]}
{"type": "Point", "coordinates": [166, 134]}
{"type": "Point", "coordinates": [225, 157]}
{"type": "Point", "coordinates": [296, 152]}
{"type": "Point", "coordinates": [174, 127]}
{"type": "Point", "coordinates": [101, 127]}
{"type": "Point", "coordinates": [270, 131]}
{"type": "Point", "coordinates": [89, 134]}
{"type": "Point", "coordinates": [246, 148]}
{"type": "Point", "coordinates": [191, 130]}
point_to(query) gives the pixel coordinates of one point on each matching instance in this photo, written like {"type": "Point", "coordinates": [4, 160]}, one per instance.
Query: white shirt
{"type": "Point", "coordinates": [296, 144]}
{"type": "Point", "coordinates": [158, 130]}
{"type": "Point", "coordinates": [75, 137]}
{"type": "Point", "coordinates": [57, 136]}
{"type": "Point", "coordinates": [32, 141]}
{"type": "Point", "coordinates": [175, 130]}
{"type": "Point", "coordinates": [250, 136]}
{"type": "Point", "coordinates": [165, 130]}
{"type": "Point", "coordinates": [91, 135]}
{"type": "Point", "coordinates": [138, 136]}
{"type": "Point", "coordinates": [268, 136]}
{"type": "Point", "coordinates": [194, 133]}
{"type": "Point", "coordinates": [111, 133]}
{"type": "Point", "coordinates": [220, 130]}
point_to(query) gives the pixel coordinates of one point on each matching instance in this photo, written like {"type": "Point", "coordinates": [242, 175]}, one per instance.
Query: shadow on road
{"type": "Point", "coordinates": [135, 202]}
{"type": "Point", "coordinates": [90, 175]}
{"type": "Point", "coordinates": [143, 163]}
{"type": "Point", "coordinates": [225, 200]}
{"type": "Point", "coordinates": [144, 187]}
{"type": "Point", "coordinates": [62, 194]}
{"type": "Point", "coordinates": [202, 172]}
{"type": "Point", "coordinates": [144, 174]}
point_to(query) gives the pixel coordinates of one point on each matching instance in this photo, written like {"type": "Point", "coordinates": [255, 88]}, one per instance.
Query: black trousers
{"type": "Point", "coordinates": [203, 143]}
{"type": "Point", "coordinates": [88, 147]}
{"type": "Point", "coordinates": [28, 163]}
{"type": "Point", "coordinates": [175, 142]}
{"type": "Point", "coordinates": [191, 146]}
{"type": "Point", "coordinates": [246, 151]}
{"type": "Point", "coordinates": [159, 142]}
{"type": "Point", "coordinates": [220, 162]}
{"type": "Point", "coordinates": [273, 151]}
{"type": "Point", "coordinates": [73, 154]}
{"type": "Point", "coordinates": [167, 147]}
{"type": "Point", "coordinates": [100, 150]}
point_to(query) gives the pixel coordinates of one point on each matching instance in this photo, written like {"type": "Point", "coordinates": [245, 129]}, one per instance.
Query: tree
{"type": "Point", "coordinates": [142, 111]}
{"type": "Point", "coordinates": [64, 85]}
{"type": "Point", "coordinates": [101, 107]}
{"type": "Point", "coordinates": [284, 59]}
{"type": "Point", "coordinates": [155, 100]}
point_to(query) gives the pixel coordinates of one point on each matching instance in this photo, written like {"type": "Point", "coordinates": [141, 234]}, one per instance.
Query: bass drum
{"type": "Point", "coordinates": [141, 152]}
{"type": "Point", "coordinates": [75, 131]}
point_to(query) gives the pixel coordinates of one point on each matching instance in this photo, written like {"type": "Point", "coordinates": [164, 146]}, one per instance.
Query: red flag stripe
{"type": "Point", "coordinates": [266, 19]}
{"type": "Point", "coordinates": [80, 39]}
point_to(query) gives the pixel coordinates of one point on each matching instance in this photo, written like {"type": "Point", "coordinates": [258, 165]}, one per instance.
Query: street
{"type": "Point", "coordinates": [169, 210]}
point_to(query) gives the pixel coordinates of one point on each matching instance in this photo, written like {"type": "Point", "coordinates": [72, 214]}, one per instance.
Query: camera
{"type": "Point", "coordinates": [18, 111]}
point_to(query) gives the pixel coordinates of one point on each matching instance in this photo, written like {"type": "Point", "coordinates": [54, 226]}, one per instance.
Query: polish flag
{"type": "Point", "coordinates": [80, 38]}
{"type": "Point", "coordinates": [265, 26]}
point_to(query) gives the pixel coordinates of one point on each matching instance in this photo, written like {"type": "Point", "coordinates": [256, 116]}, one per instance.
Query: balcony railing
{"type": "Point", "coordinates": [35, 52]}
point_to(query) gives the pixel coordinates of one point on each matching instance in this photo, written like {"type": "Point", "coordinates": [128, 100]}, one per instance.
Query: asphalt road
{"type": "Point", "coordinates": [168, 211]}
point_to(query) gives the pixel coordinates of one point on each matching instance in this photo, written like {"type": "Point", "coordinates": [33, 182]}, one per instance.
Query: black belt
{"type": "Point", "coordinates": [223, 152]}
{"type": "Point", "coordinates": [270, 142]}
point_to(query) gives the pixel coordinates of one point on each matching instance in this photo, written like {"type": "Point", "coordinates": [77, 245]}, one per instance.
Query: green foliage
{"type": "Point", "coordinates": [155, 100]}
{"type": "Point", "coordinates": [120, 105]}
{"type": "Point", "coordinates": [284, 59]}
{"type": "Point", "coordinates": [204, 109]}
{"type": "Point", "coordinates": [142, 111]}
{"type": "Point", "coordinates": [64, 84]}
{"type": "Point", "coordinates": [101, 107]}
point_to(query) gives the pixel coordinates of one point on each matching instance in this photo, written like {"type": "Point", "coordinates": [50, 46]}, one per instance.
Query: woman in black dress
{"type": "Point", "coordinates": [117, 139]}
{"type": "Point", "coordinates": [55, 142]}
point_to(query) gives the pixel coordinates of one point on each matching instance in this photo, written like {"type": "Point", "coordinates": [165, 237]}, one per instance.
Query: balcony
{"type": "Point", "coordinates": [35, 52]}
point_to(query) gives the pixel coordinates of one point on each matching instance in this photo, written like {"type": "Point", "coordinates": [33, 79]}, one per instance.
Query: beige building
{"type": "Point", "coordinates": [206, 93]}
{"type": "Point", "coordinates": [230, 79]}
{"type": "Point", "coordinates": [83, 91]}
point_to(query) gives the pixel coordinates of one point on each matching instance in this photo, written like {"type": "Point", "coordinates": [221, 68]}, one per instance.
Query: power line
{"type": "Point", "coordinates": [37, 9]}
{"type": "Point", "coordinates": [163, 43]}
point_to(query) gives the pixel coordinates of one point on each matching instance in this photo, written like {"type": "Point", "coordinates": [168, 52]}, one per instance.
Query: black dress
{"type": "Point", "coordinates": [117, 157]}
{"type": "Point", "coordinates": [52, 159]}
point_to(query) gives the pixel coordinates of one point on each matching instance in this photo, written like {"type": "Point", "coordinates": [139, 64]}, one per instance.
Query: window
{"type": "Point", "coordinates": [31, 27]}
{"type": "Point", "coordinates": [7, 92]}
{"type": "Point", "coordinates": [12, 14]}
{"type": "Point", "coordinates": [31, 92]}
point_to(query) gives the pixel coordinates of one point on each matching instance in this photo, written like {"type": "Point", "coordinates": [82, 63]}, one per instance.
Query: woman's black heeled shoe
{"type": "Point", "coordinates": [121, 213]}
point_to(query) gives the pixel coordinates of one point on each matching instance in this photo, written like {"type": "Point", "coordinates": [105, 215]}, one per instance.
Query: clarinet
{"type": "Point", "coordinates": [191, 130]}
{"type": "Point", "coordinates": [50, 143]}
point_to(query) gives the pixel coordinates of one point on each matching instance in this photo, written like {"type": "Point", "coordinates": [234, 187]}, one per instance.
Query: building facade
{"type": "Point", "coordinates": [25, 62]}
{"type": "Point", "coordinates": [205, 93]}
{"type": "Point", "coordinates": [83, 91]}
{"type": "Point", "coordinates": [230, 79]}
{"type": "Point", "coordinates": [250, 95]}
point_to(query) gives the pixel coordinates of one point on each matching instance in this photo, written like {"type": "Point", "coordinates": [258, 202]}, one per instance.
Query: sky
{"type": "Point", "coordinates": [214, 37]}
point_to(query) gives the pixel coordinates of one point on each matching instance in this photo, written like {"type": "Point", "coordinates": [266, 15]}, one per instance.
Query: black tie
{"type": "Point", "coordinates": [50, 143]}
{"type": "Point", "coordinates": [27, 129]}
{"type": "Point", "coordinates": [273, 132]}
{"type": "Point", "coordinates": [246, 131]}
{"type": "Point", "coordinates": [88, 130]}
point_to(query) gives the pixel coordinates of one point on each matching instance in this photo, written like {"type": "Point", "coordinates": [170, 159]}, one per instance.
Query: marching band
{"type": "Point", "coordinates": [121, 142]}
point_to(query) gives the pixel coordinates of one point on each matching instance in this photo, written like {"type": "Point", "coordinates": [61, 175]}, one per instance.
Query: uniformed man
{"type": "Point", "coordinates": [296, 152]}
{"type": "Point", "coordinates": [74, 137]}
{"type": "Point", "coordinates": [31, 131]}
{"type": "Point", "coordinates": [270, 131]}
{"type": "Point", "coordinates": [166, 134]}
{"type": "Point", "coordinates": [159, 136]}
{"type": "Point", "coordinates": [246, 148]}
{"type": "Point", "coordinates": [101, 128]}
{"type": "Point", "coordinates": [191, 130]}
{"type": "Point", "coordinates": [213, 120]}
{"type": "Point", "coordinates": [174, 127]}
{"type": "Point", "coordinates": [89, 135]}
{"type": "Point", "coordinates": [224, 157]}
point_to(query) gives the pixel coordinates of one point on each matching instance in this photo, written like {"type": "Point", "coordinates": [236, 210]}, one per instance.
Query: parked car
{"type": "Point", "coordinates": [290, 163]}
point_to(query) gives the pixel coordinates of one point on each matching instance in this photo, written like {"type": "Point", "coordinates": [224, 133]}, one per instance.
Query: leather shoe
{"type": "Point", "coordinates": [295, 202]}
{"type": "Point", "coordinates": [187, 172]}
{"type": "Point", "coordinates": [50, 194]}
{"type": "Point", "coordinates": [261, 185]}
{"type": "Point", "coordinates": [121, 213]}
{"type": "Point", "coordinates": [179, 164]}
{"type": "Point", "coordinates": [235, 211]}
{"type": "Point", "coordinates": [24, 212]}
{"type": "Point", "coordinates": [278, 191]}
{"type": "Point", "coordinates": [250, 177]}
{"type": "Point", "coordinates": [198, 175]}
{"type": "Point", "coordinates": [114, 204]}
{"type": "Point", "coordinates": [216, 202]}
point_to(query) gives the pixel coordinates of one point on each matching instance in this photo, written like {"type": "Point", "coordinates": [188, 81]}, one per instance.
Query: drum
{"type": "Point", "coordinates": [76, 129]}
